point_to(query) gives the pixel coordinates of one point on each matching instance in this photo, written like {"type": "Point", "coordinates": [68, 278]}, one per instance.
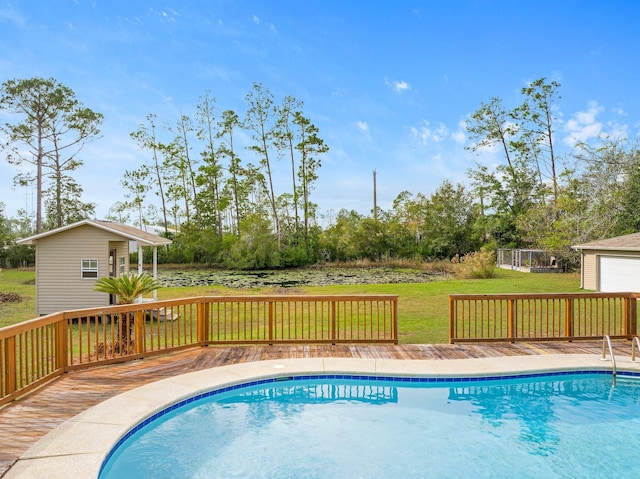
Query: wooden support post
{"type": "Point", "coordinates": [138, 325]}
{"type": "Point", "coordinates": [202, 322]}
{"type": "Point", "coordinates": [11, 366]}
{"type": "Point", "coordinates": [452, 320]}
{"type": "Point", "coordinates": [394, 306]}
{"type": "Point", "coordinates": [333, 327]}
{"type": "Point", "coordinates": [512, 319]}
{"type": "Point", "coordinates": [568, 318]}
{"type": "Point", "coordinates": [271, 319]}
{"type": "Point", "coordinates": [631, 317]}
{"type": "Point", "coordinates": [155, 271]}
{"type": "Point", "coordinates": [62, 348]}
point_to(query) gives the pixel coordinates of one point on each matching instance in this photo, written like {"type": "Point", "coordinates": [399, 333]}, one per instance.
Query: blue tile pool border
{"type": "Point", "coordinates": [357, 377]}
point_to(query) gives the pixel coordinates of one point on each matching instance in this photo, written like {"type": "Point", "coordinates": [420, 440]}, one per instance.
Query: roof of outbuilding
{"type": "Point", "coordinates": [128, 232]}
{"type": "Point", "coordinates": [630, 242]}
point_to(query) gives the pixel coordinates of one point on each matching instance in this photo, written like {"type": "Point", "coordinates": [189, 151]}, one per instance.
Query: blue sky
{"type": "Point", "coordinates": [388, 83]}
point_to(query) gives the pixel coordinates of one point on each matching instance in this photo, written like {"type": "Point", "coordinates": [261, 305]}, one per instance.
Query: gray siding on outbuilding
{"type": "Point", "coordinates": [59, 254]}
{"type": "Point", "coordinates": [58, 268]}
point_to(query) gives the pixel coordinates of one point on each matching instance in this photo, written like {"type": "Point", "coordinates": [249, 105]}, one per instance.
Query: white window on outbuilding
{"type": "Point", "coordinates": [122, 265]}
{"type": "Point", "coordinates": [89, 269]}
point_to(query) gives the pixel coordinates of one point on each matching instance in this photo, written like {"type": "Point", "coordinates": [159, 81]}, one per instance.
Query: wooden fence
{"type": "Point", "coordinates": [38, 350]}
{"type": "Point", "coordinates": [526, 317]}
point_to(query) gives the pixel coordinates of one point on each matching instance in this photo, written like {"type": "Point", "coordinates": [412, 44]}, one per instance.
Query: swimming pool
{"type": "Point", "coordinates": [554, 424]}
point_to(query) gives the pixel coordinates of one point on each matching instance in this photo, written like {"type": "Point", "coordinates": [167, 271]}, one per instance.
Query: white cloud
{"type": "Point", "coordinates": [583, 125]}
{"type": "Point", "coordinates": [398, 85]}
{"type": "Point", "coordinates": [426, 134]}
{"type": "Point", "coordinates": [256, 20]}
{"type": "Point", "coordinates": [167, 15]}
{"type": "Point", "coordinates": [619, 111]}
{"type": "Point", "coordinates": [10, 15]}
{"type": "Point", "coordinates": [617, 130]}
{"type": "Point", "coordinates": [459, 136]}
{"type": "Point", "coordinates": [363, 126]}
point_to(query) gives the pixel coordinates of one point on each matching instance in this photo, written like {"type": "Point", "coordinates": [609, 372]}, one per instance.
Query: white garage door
{"type": "Point", "coordinates": [619, 274]}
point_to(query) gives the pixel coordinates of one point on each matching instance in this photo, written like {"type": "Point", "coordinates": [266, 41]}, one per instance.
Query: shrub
{"type": "Point", "coordinates": [478, 265]}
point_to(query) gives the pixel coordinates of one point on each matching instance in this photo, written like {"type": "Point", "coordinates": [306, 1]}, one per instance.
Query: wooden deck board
{"type": "Point", "coordinates": [25, 421]}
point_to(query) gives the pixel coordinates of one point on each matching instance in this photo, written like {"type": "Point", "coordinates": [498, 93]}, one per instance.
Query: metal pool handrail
{"type": "Point", "coordinates": [607, 340]}
{"type": "Point", "coordinates": [634, 341]}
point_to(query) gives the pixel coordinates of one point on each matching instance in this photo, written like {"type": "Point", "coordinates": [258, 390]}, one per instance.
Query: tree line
{"type": "Point", "coordinates": [213, 182]}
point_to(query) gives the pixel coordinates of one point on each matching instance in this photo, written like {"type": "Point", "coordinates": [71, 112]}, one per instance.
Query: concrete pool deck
{"type": "Point", "coordinates": [78, 447]}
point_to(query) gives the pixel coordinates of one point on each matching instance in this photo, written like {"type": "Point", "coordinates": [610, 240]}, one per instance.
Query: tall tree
{"type": "Point", "coordinates": [63, 204]}
{"type": "Point", "coordinates": [537, 111]}
{"type": "Point", "coordinates": [178, 179]}
{"type": "Point", "coordinates": [54, 127]}
{"type": "Point", "coordinates": [228, 125]}
{"type": "Point", "coordinates": [145, 136]}
{"type": "Point", "coordinates": [628, 220]}
{"type": "Point", "coordinates": [492, 125]}
{"type": "Point", "coordinates": [339, 240]}
{"type": "Point", "coordinates": [310, 147]}
{"type": "Point", "coordinates": [210, 173]}
{"type": "Point", "coordinates": [185, 164]}
{"type": "Point", "coordinates": [285, 140]}
{"type": "Point", "coordinates": [450, 216]}
{"type": "Point", "coordinates": [136, 185]}
{"type": "Point", "coordinates": [259, 120]}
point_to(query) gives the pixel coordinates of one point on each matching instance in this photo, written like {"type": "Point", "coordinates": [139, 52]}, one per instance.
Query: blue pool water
{"type": "Point", "coordinates": [550, 426]}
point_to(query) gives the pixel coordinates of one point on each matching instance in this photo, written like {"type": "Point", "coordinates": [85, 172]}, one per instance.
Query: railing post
{"type": "Point", "coordinates": [202, 323]}
{"type": "Point", "coordinates": [512, 318]}
{"type": "Point", "coordinates": [395, 320]}
{"type": "Point", "coordinates": [568, 318]}
{"type": "Point", "coordinates": [270, 306]}
{"type": "Point", "coordinates": [138, 325]}
{"type": "Point", "coordinates": [333, 327]}
{"type": "Point", "coordinates": [631, 316]}
{"type": "Point", "coordinates": [452, 319]}
{"type": "Point", "coordinates": [62, 348]}
{"type": "Point", "coordinates": [10, 373]}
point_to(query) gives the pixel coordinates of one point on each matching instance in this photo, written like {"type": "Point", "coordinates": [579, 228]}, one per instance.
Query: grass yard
{"type": "Point", "coordinates": [422, 307]}
{"type": "Point", "coordinates": [22, 283]}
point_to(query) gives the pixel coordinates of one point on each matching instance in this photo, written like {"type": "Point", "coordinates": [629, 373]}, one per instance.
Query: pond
{"type": "Point", "coordinates": [291, 277]}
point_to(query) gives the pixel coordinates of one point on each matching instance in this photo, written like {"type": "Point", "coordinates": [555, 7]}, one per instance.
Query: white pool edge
{"type": "Point", "coordinates": [78, 447]}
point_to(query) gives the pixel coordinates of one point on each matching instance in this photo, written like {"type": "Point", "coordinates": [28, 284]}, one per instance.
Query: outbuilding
{"type": "Point", "coordinates": [611, 265]}
{"type": "Point", "coordinates": [70, 259]}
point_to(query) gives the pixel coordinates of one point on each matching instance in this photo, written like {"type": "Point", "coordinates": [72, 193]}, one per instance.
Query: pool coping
{"type": "Point", "coordinates": [77, 448]}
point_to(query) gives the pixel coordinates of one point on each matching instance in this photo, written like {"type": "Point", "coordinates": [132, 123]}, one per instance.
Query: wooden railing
{"type": "Point", "coordinates": [525, 317]}
{"type": "Point", "coordinates": [38, 350]}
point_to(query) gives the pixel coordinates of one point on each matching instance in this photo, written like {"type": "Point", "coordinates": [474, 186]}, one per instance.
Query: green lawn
{"type": "Point", "coordinates": [422, 308]}
{"type": "Point", "coordinates": [21, 282]}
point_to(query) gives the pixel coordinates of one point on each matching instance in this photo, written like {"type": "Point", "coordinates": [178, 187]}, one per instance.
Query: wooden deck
{"type": "Point", "coordinates": [25, 421]}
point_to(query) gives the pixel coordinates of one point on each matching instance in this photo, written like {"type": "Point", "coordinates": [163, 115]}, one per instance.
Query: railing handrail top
{"type": "Point", "coordinates": [52, 318]}
{"type": "Point", "coordinates": [23, 326]}
{"type": "Point", "coordinates": [545, 295]}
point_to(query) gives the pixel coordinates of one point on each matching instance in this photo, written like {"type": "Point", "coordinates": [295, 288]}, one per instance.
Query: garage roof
{"type": "Point", "coordinates": [629, 242]}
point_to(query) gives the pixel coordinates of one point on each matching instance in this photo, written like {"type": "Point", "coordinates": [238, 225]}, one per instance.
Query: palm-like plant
{"type": "Point", "coordinates": [128, 286]}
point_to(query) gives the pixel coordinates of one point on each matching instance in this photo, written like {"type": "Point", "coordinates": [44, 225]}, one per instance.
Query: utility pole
{"type": "Point", "coordinates": [375, 206]}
